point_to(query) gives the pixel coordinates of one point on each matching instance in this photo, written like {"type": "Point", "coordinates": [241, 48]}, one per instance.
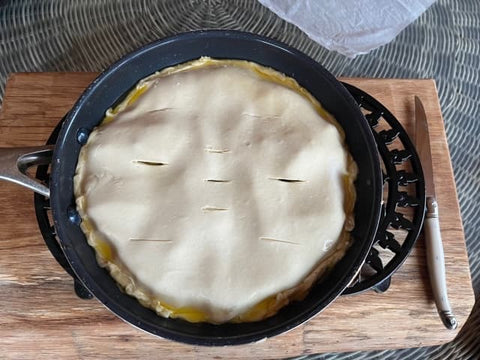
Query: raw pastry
{"type": "Point", "coordinates": [218, 190]}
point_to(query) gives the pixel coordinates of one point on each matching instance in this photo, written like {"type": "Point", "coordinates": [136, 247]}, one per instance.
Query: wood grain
{"type": "Point", "coordinates": [42, 318]}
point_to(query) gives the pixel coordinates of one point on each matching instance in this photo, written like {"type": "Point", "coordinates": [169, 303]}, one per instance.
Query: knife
{"type": "Point", "coordinates": [433, 238]}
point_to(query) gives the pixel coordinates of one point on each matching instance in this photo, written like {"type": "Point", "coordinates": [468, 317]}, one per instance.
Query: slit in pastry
{"type": "Point", "coordinates": [264, 238]}
{"type": "Point", "coordinates": [213, 208]}
{"type": "Point", "coordinates": [217, 151]}
{"type": "Point", "coordinates": [153, 240]}
{"type": "Point", "coordinates": [149, 162]}
{"type": "Point", "coordinates": [287, 180]}
{"type": "Point", "coordinates": [218, 180]}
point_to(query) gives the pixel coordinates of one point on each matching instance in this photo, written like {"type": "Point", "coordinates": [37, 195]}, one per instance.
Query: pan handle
{"type": "Point", "coordinates": [14, 163]}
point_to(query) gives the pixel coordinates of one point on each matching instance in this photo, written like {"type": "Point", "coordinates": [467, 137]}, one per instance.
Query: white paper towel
{"type": "Point", "coordinates": [351, 27]}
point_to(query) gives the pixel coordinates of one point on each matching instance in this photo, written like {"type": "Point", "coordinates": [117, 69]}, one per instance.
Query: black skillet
{"type": "Point", "coordinates": [110, 87]}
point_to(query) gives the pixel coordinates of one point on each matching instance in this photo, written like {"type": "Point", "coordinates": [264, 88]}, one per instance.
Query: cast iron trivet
{"type": "Point", "coordinates": [403, 205]}
{"type": "Point", "coordinates": [402, 208]}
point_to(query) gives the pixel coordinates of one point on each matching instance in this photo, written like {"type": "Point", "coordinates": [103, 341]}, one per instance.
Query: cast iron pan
{"type": "Point", "coordinates": [112, 86]}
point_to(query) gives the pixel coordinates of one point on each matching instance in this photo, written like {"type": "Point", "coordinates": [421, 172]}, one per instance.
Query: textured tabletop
{"type": "Point", "coordinates": [444, 44]}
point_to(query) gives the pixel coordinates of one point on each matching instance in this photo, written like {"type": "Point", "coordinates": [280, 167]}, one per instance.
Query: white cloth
{"type": "Point", "coordinates": [350, 27]}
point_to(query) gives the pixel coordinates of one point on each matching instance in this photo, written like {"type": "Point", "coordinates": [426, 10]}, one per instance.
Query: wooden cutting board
{"type": "Point", "coordinates": [41, 317]}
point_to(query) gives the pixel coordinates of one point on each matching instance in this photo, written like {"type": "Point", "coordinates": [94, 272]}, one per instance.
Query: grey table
{"type": "Point", "coordinates": [444, 44]}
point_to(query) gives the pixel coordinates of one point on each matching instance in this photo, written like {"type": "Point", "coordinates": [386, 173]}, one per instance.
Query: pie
{"type": "Point", "coordinates": [216, 191]}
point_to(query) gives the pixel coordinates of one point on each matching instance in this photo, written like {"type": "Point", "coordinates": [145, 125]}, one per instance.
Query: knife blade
{"type": "Point", "coordinates": [433, 237]}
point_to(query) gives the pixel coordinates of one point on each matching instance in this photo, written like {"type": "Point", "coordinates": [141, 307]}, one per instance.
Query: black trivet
{"type": "Point", "coordinates": [403, 197]}
{"type": "Point", "coordinates": [43, 213]}
{"type": "Point", "coordinates": [402, 208]}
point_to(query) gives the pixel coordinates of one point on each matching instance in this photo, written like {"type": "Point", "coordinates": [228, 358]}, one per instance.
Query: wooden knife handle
{"type": "Point", "coordinates": [436, 264]}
